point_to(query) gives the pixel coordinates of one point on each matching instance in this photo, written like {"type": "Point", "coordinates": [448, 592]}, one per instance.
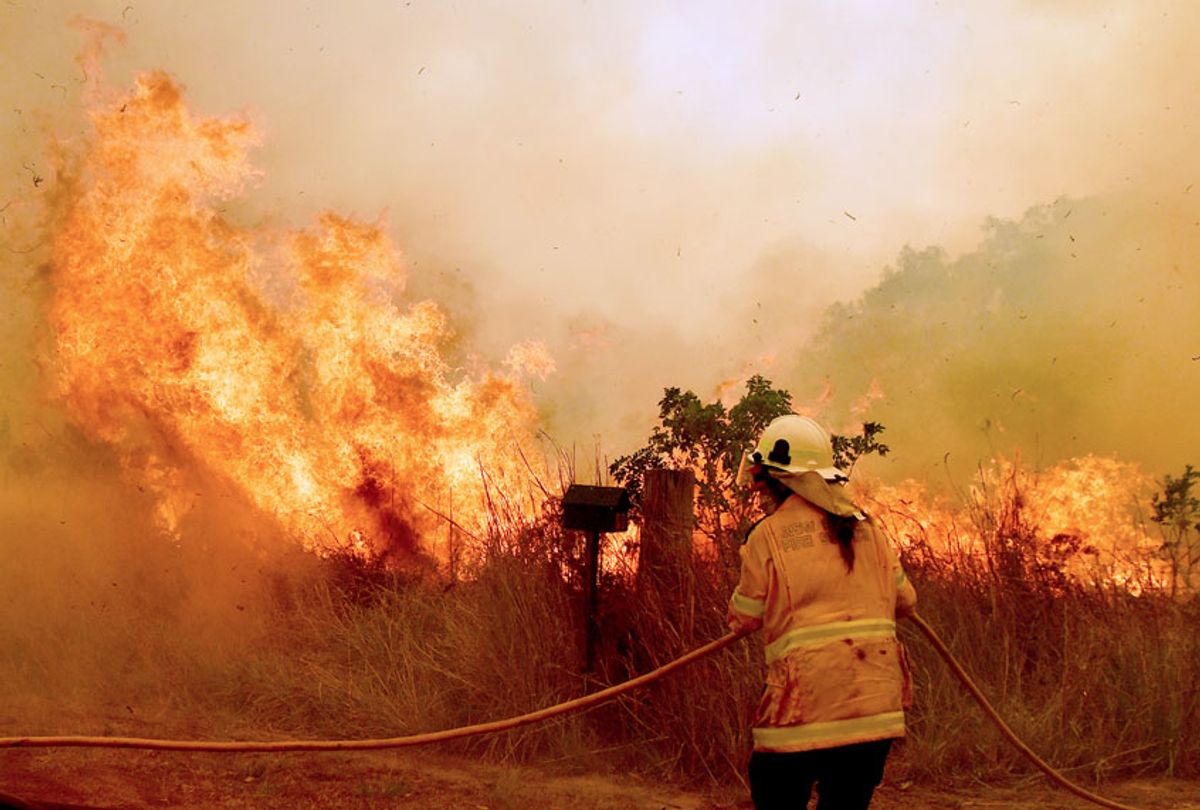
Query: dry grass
{"type": "Point", "coordinates": [1101, 682]}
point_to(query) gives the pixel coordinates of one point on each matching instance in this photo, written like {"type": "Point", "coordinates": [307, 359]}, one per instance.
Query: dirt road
{"type": "Point", "coordinates": [368, 781]}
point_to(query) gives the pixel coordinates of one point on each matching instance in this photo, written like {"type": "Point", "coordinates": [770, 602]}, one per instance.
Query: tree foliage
{"type": "Point", "coordinates": [1177, 510]}
{"type": "Point", "coordinates": [709, 439]}
{"type": "Point", "coordinates": [847, 450]}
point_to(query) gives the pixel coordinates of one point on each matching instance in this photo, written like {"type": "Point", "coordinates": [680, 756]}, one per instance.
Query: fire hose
{"type": "Point", "coordinates": [566, 707]}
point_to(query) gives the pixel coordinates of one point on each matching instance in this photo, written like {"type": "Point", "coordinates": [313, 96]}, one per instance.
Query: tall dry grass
{"type": "Point", "coordinates": [1101, 677]}
{"type": "Point", "coordinates": [1103, 682]}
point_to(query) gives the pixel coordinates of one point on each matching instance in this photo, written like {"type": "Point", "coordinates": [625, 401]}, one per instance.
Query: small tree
{"type": "Point", "coordinates": [709, 439]}
{"type": "Point", "coordinates": [1177, 510]}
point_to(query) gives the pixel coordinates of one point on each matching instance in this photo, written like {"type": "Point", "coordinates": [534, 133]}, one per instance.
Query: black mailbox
{"type": "Point", "coordinates": [595, 509]}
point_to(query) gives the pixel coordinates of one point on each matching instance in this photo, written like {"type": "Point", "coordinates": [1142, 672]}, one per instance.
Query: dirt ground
{"type": "Point", "coordinates": [83, 778]}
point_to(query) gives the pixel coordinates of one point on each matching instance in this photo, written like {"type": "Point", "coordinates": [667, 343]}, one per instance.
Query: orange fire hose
{"type": "Point", "coordinates": [566, 707]}
{"type": "Point", "coordinates": [578, 704]}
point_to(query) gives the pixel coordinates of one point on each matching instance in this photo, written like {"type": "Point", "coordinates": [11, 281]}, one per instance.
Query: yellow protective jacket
{"type": "Point", "coordinates": [836, 672]}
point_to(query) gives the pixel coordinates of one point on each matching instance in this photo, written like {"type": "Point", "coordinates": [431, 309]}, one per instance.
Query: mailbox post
{"type": "Point", "coordinates": [595, 510]}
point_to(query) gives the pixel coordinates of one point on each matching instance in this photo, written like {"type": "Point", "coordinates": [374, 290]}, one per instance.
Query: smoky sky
{"type": "Point", "coordinates": [838, 196]}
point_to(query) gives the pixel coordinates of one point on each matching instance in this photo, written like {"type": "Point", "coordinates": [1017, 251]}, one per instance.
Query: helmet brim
{"type": "Point", "coordinates": [832, 474]}
{"type": "Point", "coordinates": [745, 468]}
{"type": "Point", "coordinates": [827, 473]}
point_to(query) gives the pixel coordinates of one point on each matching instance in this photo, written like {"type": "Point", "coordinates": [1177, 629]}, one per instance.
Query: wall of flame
{"type": "Point", "coordinates": [288, 363]}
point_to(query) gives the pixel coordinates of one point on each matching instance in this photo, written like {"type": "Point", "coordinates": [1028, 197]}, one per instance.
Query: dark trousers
{"type": "Point", "coordinates": [845, 777]}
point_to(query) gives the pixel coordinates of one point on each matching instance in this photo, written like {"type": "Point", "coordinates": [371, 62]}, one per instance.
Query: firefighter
{"type": "Point", "coordinates": [825, 586]}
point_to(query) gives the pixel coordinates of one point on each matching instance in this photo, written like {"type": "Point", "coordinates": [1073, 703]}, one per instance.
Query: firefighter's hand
{"type": "Point", "coordinates": [742, 624]}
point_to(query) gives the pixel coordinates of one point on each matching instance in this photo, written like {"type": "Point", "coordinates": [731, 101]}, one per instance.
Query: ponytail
{"type": "Point", "coordinates": [842, 529]}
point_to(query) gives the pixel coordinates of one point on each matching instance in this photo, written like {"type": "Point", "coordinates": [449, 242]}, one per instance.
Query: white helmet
{"type": "Point", "coordinates": [796, 444]}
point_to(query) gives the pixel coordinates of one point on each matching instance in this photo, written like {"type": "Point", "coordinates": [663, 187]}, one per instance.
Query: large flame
{"type": "Point", "coordinates": [1086, 517]}
{"type": "Point", "coordinates": [281, 362]}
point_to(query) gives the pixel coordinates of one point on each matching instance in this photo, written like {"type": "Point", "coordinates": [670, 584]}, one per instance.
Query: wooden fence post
{"type": "Point", "coordinates": [665, 575]}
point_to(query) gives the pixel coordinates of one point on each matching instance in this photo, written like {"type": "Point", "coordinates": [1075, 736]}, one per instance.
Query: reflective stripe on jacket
{"type": "Point", "coordinates": [835, 671]}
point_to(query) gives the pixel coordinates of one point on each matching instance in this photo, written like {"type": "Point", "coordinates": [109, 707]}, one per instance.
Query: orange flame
{"type": "Point", "coordinates": [280, 362]}
{"type": "Point", "coordinates": [1091, 509]}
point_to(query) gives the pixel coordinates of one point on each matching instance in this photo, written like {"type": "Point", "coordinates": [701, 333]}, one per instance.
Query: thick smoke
{"type": "Point", "coordinates": [1069, 331]}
